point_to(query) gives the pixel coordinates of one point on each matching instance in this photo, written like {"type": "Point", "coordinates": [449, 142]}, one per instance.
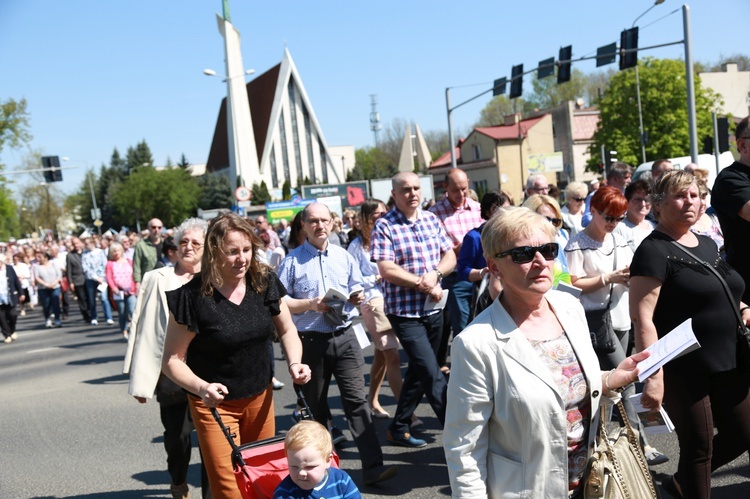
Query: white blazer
{"type": "Point", "coordinates": [505, 430]}
{"type": "Point", "coordinates": [148, 329]}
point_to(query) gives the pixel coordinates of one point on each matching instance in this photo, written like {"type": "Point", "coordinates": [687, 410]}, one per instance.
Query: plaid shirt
{"type": "Point", "coordinates": [415, 247]}
{"type": "Point", "coordinates": [307, 272]}
{"type": "Point", "coordinates": [458, 221]}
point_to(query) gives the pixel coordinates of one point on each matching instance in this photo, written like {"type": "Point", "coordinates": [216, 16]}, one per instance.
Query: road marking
{"type": "Point", "coordinates": [43, 349]}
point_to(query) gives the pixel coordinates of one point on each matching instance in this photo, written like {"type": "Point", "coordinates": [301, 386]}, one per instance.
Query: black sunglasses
{"type": "Point", "coordinates": [557, 222]}
{"type": "Point", "coordinates": [610, 220]}
{"type": "Point", "coordinates": [580, 200]}
{"type": "Point", "coordinates": [524, 254]}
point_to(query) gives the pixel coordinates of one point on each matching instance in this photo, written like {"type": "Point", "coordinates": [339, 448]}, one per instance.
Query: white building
{"type": "Point", "coordinates": [734, 88]}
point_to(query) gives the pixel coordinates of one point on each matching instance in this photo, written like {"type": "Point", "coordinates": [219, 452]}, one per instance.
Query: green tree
{"type": "Point", "coordinates": [9, 216]}
{"type": "Point", "coordinates": [372, 163]}
{"type": "Point", "coordinates": [548, 93]}
{"type": "Point", "coordinates": [170, 195]}
{"type": "Point", "coordinates": [664, 110]}
{"type": "Point", "coordinates": [184, 163]}
{"type": "Point", "coordinates": [216, 192]}
{"type": "Point", "coordinates": [14, 124]}
{"type": "Point", "coordinates": [286, 190]}
{"type": "Point", "coordinates": [499, 107]}
{"type": "Point", "coordinates": [260, 192]}
{"type": "Point", "coordinates": [139, 156]}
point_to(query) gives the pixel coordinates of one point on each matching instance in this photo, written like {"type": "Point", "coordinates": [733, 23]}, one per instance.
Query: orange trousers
{"type": "Point", "coordinates": [250, 419]}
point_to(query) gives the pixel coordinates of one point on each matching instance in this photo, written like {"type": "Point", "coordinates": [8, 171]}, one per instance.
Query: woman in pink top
{"type": "Point", "coordinates": [119, 273]}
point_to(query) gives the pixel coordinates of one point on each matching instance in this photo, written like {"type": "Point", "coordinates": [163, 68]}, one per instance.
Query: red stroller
{"type": "Point", "coordinates": [260, 466]}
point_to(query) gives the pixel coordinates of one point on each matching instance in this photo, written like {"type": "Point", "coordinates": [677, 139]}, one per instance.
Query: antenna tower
{"type": "Point", "coordinates": [375, 125]}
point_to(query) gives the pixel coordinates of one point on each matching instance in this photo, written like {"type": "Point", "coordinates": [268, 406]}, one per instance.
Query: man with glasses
{"type": "Point", "coordinates": [413, 253]}
{"type": "Point", "coordinates": [537, 183]}
{"type": "Point", "coordinates": [330, 347]}
{"type": "Point", "coordinates": [147, 252]}
{"type": "Point", "coordinates": [261, 225]}
{"type": "Point", "coordinates": [731, 200]}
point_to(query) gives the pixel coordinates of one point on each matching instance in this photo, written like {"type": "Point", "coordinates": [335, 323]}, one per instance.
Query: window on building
{"type": "Point", "coordinates": [284, 150]}
{"type": "Point", "coordinates": [295, 129]}
{"type": "Point", "coordinates": [274, 173]}
{"type": "Point", "coordinates": [480, 187]}
{"type": "Point", "coordinates": [323, 161]}
{"type": "Point", "coordinates": [476, 152]}
{"type": "Point", "coordinates": [309, 140]}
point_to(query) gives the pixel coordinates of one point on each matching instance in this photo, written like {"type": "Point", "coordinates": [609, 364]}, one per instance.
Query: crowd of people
{"type": "Point", "coordinates": [523, 291]}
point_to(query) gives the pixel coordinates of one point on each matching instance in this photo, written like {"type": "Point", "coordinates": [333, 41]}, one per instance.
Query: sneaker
{"type": "Point", "coordinates": [110, 322]}
{"type": "Point", "coordinates": [653, 456]}
{"type": "Point", "coordinates": [48, 323]}
{"type": "Point", "coordinates": [94, 322]}
{"type": "Point", "coordinates": [337, 436]}
{"type": "Point", "coordinates": [277, 385]}
{"type": "Point", "coordinates": [14, 336]}
{"type": "Point", "coordinates": [405, 440]}
{"type": "Point", "coordinates": [7, 339]}
{"type": "Point", "coordinates": [180, 491]}
{"type": "Point", "coordinates": [379, 474]}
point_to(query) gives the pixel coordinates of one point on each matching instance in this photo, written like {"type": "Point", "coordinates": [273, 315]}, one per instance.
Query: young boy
{"type": "Point", "coordinates": [309, 452]}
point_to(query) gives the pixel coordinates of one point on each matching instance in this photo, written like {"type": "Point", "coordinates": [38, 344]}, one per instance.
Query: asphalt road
{"type": "Point", "coordinates": [69, 429]}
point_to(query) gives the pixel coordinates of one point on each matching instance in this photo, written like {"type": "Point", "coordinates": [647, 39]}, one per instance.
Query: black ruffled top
{"type": "Point", "coordinates": [231, 342]}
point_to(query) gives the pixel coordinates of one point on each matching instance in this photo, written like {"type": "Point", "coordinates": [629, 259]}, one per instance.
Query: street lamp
{"type": "Point", "coordinates": [638, 91]}
{"type": "Point", "coordinates": [95, 213]}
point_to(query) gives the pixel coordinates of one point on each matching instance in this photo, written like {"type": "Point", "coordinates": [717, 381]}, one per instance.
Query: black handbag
{"type": "Point", "coordinates": [743, 333]}
{"type": "Point", "coordinates": [603, 337]}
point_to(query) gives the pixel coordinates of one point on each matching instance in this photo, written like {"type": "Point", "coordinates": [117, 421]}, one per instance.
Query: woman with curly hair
{"type": "Point", "coordinates": [220, 326]}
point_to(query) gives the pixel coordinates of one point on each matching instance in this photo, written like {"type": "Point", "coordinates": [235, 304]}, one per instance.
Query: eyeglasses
{"type": "Point", "coordinates": [540, 189]}
{"type": "Point", "coordinates": [557, 222]}
{"type": "Point", "coordinates": [318, 221]}
{"type": "Point", "coordinates": [610, 220]}
{"type": "Point", "coordinates": [580, 200]}
{"type": "Point", "coordinates": [524, 254]}
{"type": "Point", "coordinates": [157, 227]}
{"type": "Point", "coordinates": [195, 244]}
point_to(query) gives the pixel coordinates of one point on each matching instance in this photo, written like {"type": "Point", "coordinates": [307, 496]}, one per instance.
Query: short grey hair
{"type": "Point", "coordinates": [189, 225]}
{"type": "Point", "coordinates": [534, 177]}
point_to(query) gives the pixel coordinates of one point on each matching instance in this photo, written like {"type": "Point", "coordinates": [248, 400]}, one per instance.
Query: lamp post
{"type": "Point", "coordinates": [95, 215]}
{"type": "Point", "coordinates": [638, 91]}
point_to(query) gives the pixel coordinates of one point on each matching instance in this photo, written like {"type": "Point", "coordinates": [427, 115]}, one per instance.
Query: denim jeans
{"type": "Point", "coordinates": [125, 308]}
{"type": "Point", "coordinates": [50, 299]}
{"type": "Point", "coordinates": [91, 292]}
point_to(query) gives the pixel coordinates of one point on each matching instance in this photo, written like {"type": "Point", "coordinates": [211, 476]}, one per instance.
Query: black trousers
{"type": "Point", "coordinates": [83, 301]}
{"type": "Point", "coordinates": [340, 356]}
{"type": "Point", "coordinates": [8, 317]}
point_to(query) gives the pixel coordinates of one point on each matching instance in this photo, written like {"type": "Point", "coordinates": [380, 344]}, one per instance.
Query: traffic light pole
{"type": "Point", "coordinates": [690, 81]}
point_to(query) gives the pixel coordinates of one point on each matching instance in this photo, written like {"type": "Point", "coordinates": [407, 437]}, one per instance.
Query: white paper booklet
{"type": "Point", "coordinates": [654, 423]}
{"type": "Point", "coordinates": [677, 342]}
{"type": "Point", "coordinates": [430, 305]}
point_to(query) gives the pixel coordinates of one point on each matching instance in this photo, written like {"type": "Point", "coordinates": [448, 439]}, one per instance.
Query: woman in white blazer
{"type": "Point", "coordinates": [143, 358]}
{"type": "Point", "coordinates": [525, 383]}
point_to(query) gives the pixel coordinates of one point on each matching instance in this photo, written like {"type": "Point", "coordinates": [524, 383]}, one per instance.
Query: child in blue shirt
{"type": "Point", "coordinates": [309, 453]}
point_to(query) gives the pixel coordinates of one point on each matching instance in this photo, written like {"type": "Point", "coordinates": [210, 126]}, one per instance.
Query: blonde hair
{"type": "Point", "coordinates": [537, 200]}
{"type": "Point", "coordinates": [308, 433]}
{"type": "Point", "coordinates": [510, 224]}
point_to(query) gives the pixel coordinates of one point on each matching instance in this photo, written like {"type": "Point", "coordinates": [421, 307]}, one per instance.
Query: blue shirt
{"type": "Point", "coordinates": [336, 485]}
{"type": "Point", "coordinates": [307, 272]}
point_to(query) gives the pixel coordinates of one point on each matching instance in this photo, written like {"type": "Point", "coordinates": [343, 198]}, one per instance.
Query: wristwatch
{"type": "Point", "coordinates": [440, 274]}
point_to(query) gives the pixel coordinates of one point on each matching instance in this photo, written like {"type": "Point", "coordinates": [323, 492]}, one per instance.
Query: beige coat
{"type": "Point", "coordinates": [505, 432]}
{"type": "Point", "coordinates": [148, 328]}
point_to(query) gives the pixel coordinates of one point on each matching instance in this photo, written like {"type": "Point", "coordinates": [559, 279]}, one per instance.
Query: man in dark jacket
{"type": "Point", "coordinates": [76, 278]}
{"type": "Point", "coordinates": [10, 294]}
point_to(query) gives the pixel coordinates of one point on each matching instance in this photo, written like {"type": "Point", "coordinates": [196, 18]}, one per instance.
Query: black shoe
{"type": "Point", "coordinates": [337, 436]}
{"type": "Point", "coordinates": [669, 485]}
{"type": "Point", "coordinates": [654, 457]}
{"type": "Point", "coordinates": [379, 474]}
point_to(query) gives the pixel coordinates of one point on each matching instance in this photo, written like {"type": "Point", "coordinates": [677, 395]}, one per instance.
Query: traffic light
{"type": "Point", "coordinates": [563, 63]}
{"type": "Point", "coordinates": [722, 128]}
{"type": "Point", "coordinates": [516, 81]}
{"type": "Point", "coordinates": [546, 68]}
{"type": "Point", "coordinates": [610, 157]}
{"type": "Point", "coordinates": [628, 43]}
{"type": "Point", "coordinates": [498, 87]}
{"type": "Point", "coordinates": [52, 171]}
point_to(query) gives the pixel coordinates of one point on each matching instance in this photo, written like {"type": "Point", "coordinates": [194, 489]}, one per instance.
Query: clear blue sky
{"type": "Point", "coordinates": [104, 74]}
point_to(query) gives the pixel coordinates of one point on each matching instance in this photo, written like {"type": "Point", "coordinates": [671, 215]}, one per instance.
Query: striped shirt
{"type": "Point", "coordinates": [307, 272]}
{"type": "Point", "coordinates": [458, 221]}
{"type": "Point", "coordinates": [415, 246]}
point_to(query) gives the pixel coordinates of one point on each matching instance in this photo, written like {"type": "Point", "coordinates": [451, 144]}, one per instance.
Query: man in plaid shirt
{"type": "Point", "coordinates": [459, 214]}
{"type": "Point", "coordinates": [413, 252]}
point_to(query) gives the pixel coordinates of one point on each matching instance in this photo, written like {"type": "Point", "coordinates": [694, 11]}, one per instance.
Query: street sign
{"type": "Point", "coordinates": [243, 193]}
{"type": "Point", "coordinates": [98, 223]}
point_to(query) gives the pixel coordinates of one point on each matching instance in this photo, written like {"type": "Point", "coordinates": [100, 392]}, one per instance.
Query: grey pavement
{"type": "Point", "coordinates": [69, 429]}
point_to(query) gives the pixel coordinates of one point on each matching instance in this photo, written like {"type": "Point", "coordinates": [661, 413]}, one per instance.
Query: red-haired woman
{"type": "Point", "coordinates": [599, 264]}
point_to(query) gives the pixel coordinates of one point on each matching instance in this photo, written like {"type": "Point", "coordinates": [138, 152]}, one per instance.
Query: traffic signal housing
{"type": "Point", "coordinates": [629, 48]}
{"type": "Point", "coordinates": [563, 62]}
{"type": "Point", "coordinates": [52, 171]}
{"type": "Point", "coordinates": [516, 82]}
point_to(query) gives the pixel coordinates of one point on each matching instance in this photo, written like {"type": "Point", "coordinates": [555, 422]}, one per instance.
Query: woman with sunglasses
{"type": "Point", "coordinates": [599, 262]}
{"type": "Point", "coordinates": [575, 204]}
{"type": "Point", "coordinates": [547, 207]}
{"type": "Point", "coordinates": [525, 385]}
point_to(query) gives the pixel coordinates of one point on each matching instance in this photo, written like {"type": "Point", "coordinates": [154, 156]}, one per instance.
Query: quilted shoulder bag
{"type": "Point", "coordinates": [617, 468]}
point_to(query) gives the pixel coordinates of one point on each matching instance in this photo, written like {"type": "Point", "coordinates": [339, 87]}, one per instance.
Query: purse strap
{"type": "Point", "coordinates": [721, 280]}
{"type": "Point", "coordinates": [614, 267]}
{"type": "Point", "coordinates": [635, 445]}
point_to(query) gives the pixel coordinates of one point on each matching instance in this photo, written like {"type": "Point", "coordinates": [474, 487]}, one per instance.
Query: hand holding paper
{"type": "Point", "coordinates": [678, 342]}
